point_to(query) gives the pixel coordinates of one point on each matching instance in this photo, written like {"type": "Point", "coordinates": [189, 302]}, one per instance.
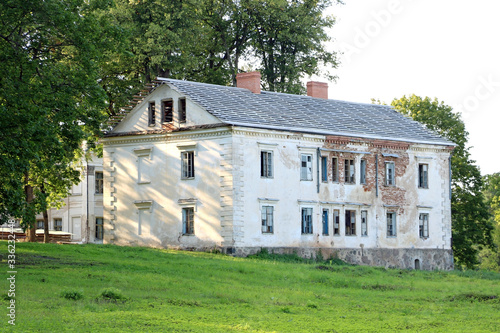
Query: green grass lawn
{"type": "Point", "coordinates": [96, 288]}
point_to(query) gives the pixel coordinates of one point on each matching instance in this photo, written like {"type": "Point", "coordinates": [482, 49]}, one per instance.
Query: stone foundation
{"type": "Point", "coordinates": [425, 259]}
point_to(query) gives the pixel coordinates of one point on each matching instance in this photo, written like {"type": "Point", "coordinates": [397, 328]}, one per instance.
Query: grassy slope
{"type": "Point", "coordinates": [169, 291]}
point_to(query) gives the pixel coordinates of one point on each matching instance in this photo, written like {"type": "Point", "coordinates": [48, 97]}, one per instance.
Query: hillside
{"type": "Point", "coordinates": [92, 288]}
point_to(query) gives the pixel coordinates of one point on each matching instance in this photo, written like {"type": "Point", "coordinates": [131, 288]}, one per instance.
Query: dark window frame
{"type": "Point", "coordinates": [151, 114]}
{"type": "Point", "coordinates": [350, 222]}
{"type": "Point", "coordinates": [266, 164]}
{"type": "Point", "coordinates": [167, 111]}
{"type": "Point", "coordinates": [306, 220]}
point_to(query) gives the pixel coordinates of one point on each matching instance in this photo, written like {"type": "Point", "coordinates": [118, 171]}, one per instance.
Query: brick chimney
{"type": "Point", "coordinates": [250, 81]}
{"type": "Point", "coordinates": [317, 89]}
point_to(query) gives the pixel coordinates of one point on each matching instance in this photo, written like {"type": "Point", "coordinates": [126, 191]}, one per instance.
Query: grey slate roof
{"type": "Point", "coordinates": [237, 106]}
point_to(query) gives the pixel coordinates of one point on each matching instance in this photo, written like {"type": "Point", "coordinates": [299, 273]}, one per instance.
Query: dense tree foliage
{"type": "Point", "coordinates": [50, 100]}
{"type": "Point", "coordinates": [66, 63]}
{"type": "Point", "coordinates": [471, 228]}
{"type": "Point", "coordinates": [211, 40]}
{"type": "Point", "coordinates": [490, 258]}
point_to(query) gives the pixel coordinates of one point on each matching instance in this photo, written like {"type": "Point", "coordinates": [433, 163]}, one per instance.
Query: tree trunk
{"type": "Point", "coordinates": [46, 235]}
{"type": "Point", "coordinates": [31, 228]}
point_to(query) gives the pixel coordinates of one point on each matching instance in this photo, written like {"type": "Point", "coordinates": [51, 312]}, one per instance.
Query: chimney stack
{"type": "Point", "coordinates": [250, 81]}
{"type": "Point", "coordinates": [317, 89]}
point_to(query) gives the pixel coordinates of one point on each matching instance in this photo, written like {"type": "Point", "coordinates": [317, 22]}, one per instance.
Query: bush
{"type": "Point", "coordinates": [111, 294]}
{"type": "Point", "coordinates": [72, 294]}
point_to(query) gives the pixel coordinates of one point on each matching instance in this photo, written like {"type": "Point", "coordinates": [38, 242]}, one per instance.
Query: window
{"type": "Point", "coordinates": [362, 176]}
{"type": "Point", "coordinates": [389, 174]}
{"type": "Point", "coordinates": [99, 230]}
{"type": "Point", "coordinates": [151, 114]}
{"type": "Point", "coordinates": [99, 182]}
{"type": "Point", "coordinates": [187, 164]}
{"type": "Point", "coordinates": [336, 222]}
{"type": "Point", "coordinates": [350, 223]}
{"type": "Point", "coordinates": [267, 219]}
{"type": "Point", "coordinates": [364, 223]}
{"type": "Point", "coordinates": [182, 110]}
{"type": "Point", "coordinates": [39, 224]}
{"type": "Point", "coordinates": [423, 225]}
{"type": "Point", "coordinates": [266, 164]}
{"type": "Point", "coordinates": [335, 170]}
{"type": "Point", "coordinates": [58, 224]}
{"type": "Point", "coordinates": [325, 222]}
{"type": "Point", "coordinates": [391, 224]}
{"type": "Point", "coordinates": [423, 175]}
{"type": "Point", "coordinates": [306, 167]}
{"type": "Point", "coordinates": [167, 111]}
{"type": "Point", "coordinates": [188, 221]}
{"type": "Point", "coordinates": [324, 169]}
{"type": "Point", "coordinates": [349, 171]}
{"type": "Point", "coordinates": [307, 227]}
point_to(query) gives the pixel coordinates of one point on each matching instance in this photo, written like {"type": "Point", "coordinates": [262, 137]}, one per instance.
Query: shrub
{"type": "Point", "coordinates": [72, 294]}
{"type": "Point", "coordinates": [111, 294]}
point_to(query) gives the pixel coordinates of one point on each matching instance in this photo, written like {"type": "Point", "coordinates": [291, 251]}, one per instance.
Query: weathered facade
{"type": "Point", "coordinates": [198, 166]}
{"type": "Point", "coordinates": [82, 212]}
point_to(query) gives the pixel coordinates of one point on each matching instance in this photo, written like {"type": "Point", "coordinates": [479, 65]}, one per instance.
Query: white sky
{"type": "Point", "coordinates": [442, 48]}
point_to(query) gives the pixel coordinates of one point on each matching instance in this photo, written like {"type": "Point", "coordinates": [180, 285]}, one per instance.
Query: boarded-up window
{"type": "Point", "coordinates": [182, 110]}
{"type": "Point", "coordinates": [335, 169]}
{"type": "Point", "coordinates": [324, 169]}
{"type": "Point", "coordinates": [151, 114]}
{"type": "Point", "coordinates": [167, 111]}
{"type": "Point", "coordinates": [325, 222]}
{"type": "Point", "coordinates": [362, 175]}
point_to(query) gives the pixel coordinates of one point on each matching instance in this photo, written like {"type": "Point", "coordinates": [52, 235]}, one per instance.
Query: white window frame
{"type": "Point", "coordinates": [267, 219]}
{"type": "Point", "coordinates": [350, 171]}
{"type": "Point", "coordinates": [390, 173]}
{"type": "Point", "coordinates": [423, 225]}
{"type": "Point", "coordinates": [391, 224]}
{"type": "Point", "coordinates": [187, 164]}
{"type": "Point", "coordinates": [306, 167]}
{"type": "Point", "coordinates": [364, 223]}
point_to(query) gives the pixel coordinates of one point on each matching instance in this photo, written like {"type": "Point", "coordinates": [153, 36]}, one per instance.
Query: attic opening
{"type": "Point", "coordinates": [167, 111]}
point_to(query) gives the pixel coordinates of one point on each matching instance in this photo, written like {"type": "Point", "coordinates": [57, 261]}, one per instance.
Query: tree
{"type": "Point", "coordinates": [471, 229]}
{"type": "Point", "coordinates": [490, 258]}
{"type": "Point", "coordinates": [288, 37]}
{"type": "Point", "coordinates": [51, 100]}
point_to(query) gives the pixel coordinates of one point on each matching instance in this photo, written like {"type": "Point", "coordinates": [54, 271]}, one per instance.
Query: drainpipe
{"type": "Point", "coordinates": [376, 175]}
{"type": "Point", "coordinates": [318, 154]}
